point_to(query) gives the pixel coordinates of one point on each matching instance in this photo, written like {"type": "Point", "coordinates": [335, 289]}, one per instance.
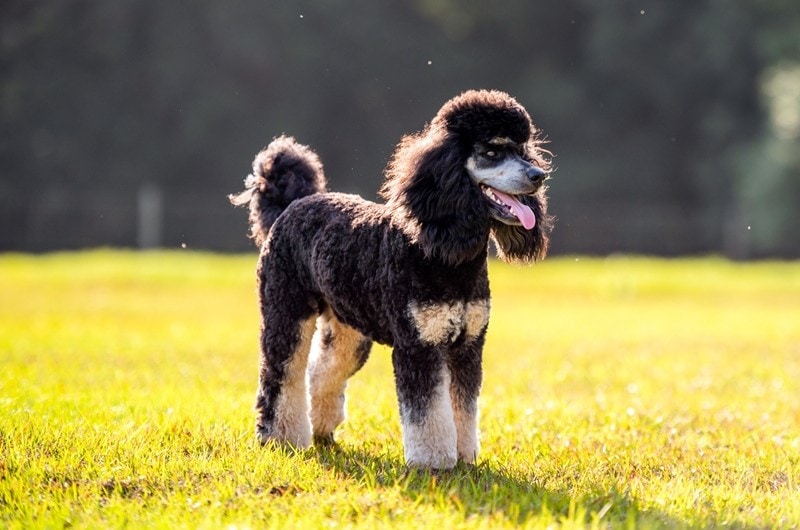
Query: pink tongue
{"type": "Point", "coordinates": [523, 212]}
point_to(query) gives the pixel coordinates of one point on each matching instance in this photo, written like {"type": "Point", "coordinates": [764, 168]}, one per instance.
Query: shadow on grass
{"type": "Point", "coordinates": [486, 490]}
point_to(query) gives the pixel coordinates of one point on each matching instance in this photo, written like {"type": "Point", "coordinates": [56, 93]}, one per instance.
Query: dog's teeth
{"type": "Point", "coordinates": [505, 207]}
{"type": "Point", "coordinates": [488, 192]}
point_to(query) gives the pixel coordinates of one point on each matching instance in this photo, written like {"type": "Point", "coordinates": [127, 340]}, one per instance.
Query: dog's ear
{"type": "Point", "coordinates": [429, 186]}
{"type": "Point", "coordinates": [515, 244]}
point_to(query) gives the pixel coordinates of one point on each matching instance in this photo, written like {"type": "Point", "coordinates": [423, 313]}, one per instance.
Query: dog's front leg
{"type": "Point", "coordinates": [426, 410]}
{"type": "Point", "coordinates": [465, 384]}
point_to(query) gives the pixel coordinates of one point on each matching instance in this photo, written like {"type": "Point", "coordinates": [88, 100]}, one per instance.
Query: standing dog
{"type": "Point", "coordinates": [337, 272]}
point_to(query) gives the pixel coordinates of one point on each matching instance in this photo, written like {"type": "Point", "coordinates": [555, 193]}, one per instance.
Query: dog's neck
{"type": "Point", "coordinates": [451, 240]}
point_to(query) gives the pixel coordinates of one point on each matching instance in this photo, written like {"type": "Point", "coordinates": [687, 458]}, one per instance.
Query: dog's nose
{"type": "Point", "coordinates": [535, 174]}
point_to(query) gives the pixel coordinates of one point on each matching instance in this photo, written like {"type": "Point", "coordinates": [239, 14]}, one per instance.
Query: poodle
{"type": "Point", "coordinates": [337, 272]}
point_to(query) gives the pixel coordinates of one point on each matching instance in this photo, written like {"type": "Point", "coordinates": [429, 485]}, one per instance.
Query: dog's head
{"type": "Point", "coordinates": [477, 169]}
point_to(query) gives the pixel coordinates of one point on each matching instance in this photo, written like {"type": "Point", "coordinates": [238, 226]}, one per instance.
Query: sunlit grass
{"type": "Point", "coordinates": [618, 392]}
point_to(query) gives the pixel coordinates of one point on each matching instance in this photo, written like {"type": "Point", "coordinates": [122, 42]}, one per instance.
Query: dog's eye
{"type": "Point", "coordinates": [491, 154]}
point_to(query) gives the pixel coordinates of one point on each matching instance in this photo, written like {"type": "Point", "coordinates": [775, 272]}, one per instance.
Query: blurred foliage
{"type": "Point", "coordinates": [656, 111]}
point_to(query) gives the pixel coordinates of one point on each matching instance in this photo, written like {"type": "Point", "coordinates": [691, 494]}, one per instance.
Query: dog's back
{"type": "Point", "coordinates": [282, 173]}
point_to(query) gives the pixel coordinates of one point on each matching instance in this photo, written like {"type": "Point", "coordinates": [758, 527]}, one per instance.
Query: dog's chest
{"type": "Point", "coordinates": [446, 322]}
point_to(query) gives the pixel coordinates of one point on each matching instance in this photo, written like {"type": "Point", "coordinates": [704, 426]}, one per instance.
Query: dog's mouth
{"type": "Point", "coordinates": [508, 209]}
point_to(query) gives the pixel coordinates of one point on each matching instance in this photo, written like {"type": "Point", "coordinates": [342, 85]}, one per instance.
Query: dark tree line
{"type": "Point", "coordinates": [662, 115]}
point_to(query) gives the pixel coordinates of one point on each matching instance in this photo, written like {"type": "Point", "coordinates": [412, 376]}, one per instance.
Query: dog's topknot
{"type": "Point", "coordinates": [480, 115]}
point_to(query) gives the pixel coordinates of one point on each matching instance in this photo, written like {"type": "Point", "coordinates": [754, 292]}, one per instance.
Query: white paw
{"type": "Point", "coordinates": [432, 459]}
{"type": "Point", "coordinates": [298, 437]}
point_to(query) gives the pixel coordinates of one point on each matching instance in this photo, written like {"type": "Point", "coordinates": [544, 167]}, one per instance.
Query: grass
{"type": "Point", "coordinates": [622, 392]}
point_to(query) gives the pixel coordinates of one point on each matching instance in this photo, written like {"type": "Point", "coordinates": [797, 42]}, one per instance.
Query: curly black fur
{"type": "Point", "coordinates": [410, 273]}
{"type": "Point", "coordinates": [283, 172]}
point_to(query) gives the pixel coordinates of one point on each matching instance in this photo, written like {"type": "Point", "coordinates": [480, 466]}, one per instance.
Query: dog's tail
{"type": "Point", "coordinates": [283, 172]}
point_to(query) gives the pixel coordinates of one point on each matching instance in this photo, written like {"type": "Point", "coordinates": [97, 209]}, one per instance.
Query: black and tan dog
{"type": "Point", "coordinates": [337, 272]}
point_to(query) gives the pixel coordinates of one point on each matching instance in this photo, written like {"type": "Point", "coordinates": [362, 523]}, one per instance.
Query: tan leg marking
{"type": "Point", "coordinates": [467, 431]}
{"type": "Point", "coordinates": [328, 372]}
{"type": "Point", "coordinates": [477, 317]}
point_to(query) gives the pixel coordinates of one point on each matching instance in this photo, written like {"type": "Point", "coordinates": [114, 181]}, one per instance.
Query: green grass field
{"type": "Point", "coordinates": [621, 392]}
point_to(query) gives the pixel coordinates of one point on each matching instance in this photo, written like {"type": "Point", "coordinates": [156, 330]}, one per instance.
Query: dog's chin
{"type": "Point", "coordinates": [497, 214]}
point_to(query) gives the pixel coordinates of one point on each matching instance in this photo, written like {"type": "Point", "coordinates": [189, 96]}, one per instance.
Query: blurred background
{"type": "Point", "coordinates": [675, 125]}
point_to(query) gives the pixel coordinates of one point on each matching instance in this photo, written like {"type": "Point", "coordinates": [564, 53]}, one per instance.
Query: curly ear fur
{"type": "Point", "coordinates": [283, 172]}
{"type": "Point", "coordinates": [430, 189]}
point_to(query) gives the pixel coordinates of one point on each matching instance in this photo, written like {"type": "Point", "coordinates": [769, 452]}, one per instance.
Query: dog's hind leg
{"type": "Point", "coordinates": [337, 353]}
{"type": "Point", "coordinates": [282, 398]}
{"type": "Point", "coordinates": [288, 320]}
